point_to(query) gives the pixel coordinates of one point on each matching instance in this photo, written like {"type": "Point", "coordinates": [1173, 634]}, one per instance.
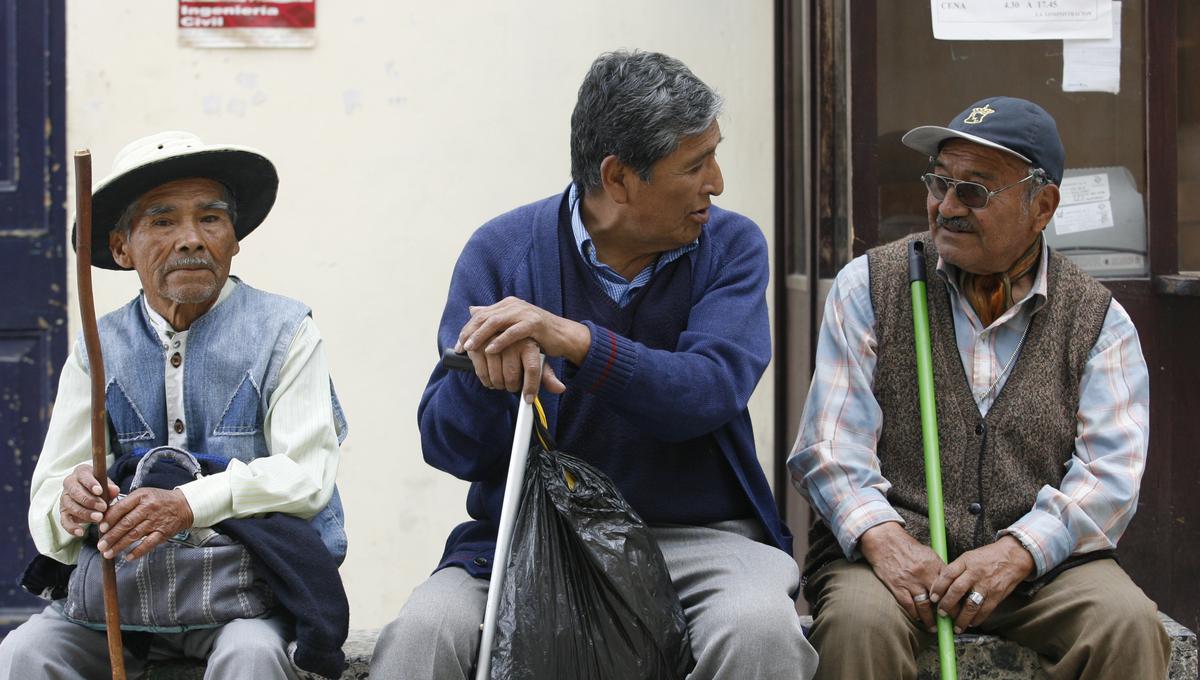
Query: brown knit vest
{"type": "Point", "coordinates": [1000, 461]}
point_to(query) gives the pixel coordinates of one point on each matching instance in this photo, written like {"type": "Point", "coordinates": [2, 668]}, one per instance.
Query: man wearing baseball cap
{"type": "Point", "coordinates": [227, 375]}
{"type": "Point", "coordinates": [1042, 404]}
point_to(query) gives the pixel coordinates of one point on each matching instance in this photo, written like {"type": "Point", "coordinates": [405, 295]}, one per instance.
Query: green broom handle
{"type": "Point", "coordinates": [929, 437]}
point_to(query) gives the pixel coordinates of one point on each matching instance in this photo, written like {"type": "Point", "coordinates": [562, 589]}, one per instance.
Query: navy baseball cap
{"type": "Point", "coordinates": [1013, 125]}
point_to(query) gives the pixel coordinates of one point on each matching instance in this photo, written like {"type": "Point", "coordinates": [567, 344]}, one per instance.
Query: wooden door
{"type": "Point", "coordinates": [812, 215]}
{"type": "Point", "coordinates": [33, 318]}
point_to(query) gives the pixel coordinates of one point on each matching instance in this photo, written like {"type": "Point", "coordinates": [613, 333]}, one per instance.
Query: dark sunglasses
{"type": "Point", "coordinates": [971, 194]}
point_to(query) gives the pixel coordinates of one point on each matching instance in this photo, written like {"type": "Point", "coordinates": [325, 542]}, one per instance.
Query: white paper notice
{"type": "Point", "coordinates": [1021, 19]}
{"type": "Point", "coordinates": [1084, 189]}
{"type": "Point", "coordinates": [1094, 65]}
{"type": "Point", "coordinates": [1071, 219]}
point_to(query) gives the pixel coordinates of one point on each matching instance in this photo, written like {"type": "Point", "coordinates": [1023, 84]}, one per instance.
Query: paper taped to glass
{"type": "Point", "coordinates": [1021, 19]}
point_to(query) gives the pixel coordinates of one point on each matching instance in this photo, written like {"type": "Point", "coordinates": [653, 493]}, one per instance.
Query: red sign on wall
{"type": "Point", "coordinates": [247, 23]}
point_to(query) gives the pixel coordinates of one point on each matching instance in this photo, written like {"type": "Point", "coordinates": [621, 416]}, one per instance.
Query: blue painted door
{"type": "Point", "coordinates": [33, 317]}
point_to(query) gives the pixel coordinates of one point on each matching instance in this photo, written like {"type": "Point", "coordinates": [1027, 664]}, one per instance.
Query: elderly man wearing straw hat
{"type": "Point", "coordinates": [228, 377]}
{"type": "Point", "coordinates": [1042, 404]}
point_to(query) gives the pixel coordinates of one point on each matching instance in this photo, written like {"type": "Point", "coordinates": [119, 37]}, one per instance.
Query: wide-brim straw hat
{"type": "Point", "coordinates": [167, 156]}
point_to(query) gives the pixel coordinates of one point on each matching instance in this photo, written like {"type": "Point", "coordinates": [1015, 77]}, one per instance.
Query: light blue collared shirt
{"type": "Point", "coordinates": [614, 285]}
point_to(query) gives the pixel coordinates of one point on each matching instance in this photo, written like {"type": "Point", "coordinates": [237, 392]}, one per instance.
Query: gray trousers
{"type": "Point", "coordinates": [49, 647]}
{"type": "Point", "coordinates": [734, 591]}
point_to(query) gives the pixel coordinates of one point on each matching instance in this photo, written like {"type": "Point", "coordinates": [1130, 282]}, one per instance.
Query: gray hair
{"type": "Point", "coordinates": [125, 221]}
{"type": "Point", "coordinates": [636, 106]}
{"type": "Point", "coordinates": [1039, 181]}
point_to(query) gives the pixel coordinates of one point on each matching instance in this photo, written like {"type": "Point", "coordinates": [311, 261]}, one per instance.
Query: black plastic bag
{"type": "Point", "coordinates": [587, 595]}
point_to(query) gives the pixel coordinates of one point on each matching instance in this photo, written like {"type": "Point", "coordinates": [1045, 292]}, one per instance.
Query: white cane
{"type": "Point", "coordinates": [508, 513]}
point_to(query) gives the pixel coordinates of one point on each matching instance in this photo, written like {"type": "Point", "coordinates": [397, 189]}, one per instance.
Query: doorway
{"type": "Point", "coordinates": [33, 310]}
{"type": "Point", "coordinates": [875, 71]}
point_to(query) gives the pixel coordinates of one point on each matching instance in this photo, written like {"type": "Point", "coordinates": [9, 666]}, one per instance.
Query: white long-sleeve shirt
{"type": "Point", "coordinates": [297, 478]}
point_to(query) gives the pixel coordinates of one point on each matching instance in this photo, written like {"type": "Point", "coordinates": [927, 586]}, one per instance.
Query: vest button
{"type": "Point", "coordinates": [974, 508]}
{"type": "Point", "coordinates": [979, 428]}
{"type": "Point", "coordinates": [178, 426]}
{"type": "Point", "coordinates": [480, 561]}
{"type": "Point", "coordinates": [176, 360]}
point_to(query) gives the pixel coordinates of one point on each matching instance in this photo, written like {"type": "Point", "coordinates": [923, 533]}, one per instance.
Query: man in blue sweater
{"type": "Point", "coordinates": [648, 302]}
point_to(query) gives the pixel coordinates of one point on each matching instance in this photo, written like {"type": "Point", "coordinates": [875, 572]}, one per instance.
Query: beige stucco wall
{"type": "Point", "coordinates": [408, 126]}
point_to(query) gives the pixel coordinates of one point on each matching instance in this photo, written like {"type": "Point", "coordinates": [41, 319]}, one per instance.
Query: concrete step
{"type": "Point", "coordinates": [984, 657]}
{"type": "Point", "coordinates": [980, 657]}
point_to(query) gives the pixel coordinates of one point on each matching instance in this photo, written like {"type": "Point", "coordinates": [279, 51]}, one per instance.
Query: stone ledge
{"type": "Point", "coordinates": [984, 657]}
{"type": "Point", "coordinates": [358, 649]}
{"type": "Point", "coordinates": [980, 657]}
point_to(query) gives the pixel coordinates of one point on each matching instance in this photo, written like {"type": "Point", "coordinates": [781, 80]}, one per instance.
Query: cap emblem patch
{"type": "Point", "coordinates": [978, 114]}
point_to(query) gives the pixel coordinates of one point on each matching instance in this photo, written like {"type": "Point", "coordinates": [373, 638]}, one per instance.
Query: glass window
{"type": "Point", "coordinates": [1189, 136]}
{"type": "Point", "coordinates": [925, 81]}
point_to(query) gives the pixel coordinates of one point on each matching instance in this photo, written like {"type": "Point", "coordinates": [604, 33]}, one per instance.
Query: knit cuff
{"type": "Point", "coordinates": [609, 363]}
{"type": "Point", "coordinates": [311, 662]}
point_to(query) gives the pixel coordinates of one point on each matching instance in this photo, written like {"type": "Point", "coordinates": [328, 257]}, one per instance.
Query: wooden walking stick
{"type": "Point", "coordinates": [929, 437]}
{"type": "Point", "coordinates": [91, 338]}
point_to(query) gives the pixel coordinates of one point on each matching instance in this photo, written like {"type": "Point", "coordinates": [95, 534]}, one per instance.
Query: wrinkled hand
{"type": "Point", "coordinates": [152, 515]}
{"type": "Point", "coordinates": [81, 502]}
{"type": "Point", "coordinates": [906, 567]}
{"type": "Point", "coordinates": [503, 342]}
{"type": "Point", "coordinates": [992, 571]}
{"type": "Point", "coordinates": [515, 369]}
{"type": "Point", "coordinates": [494, 327]}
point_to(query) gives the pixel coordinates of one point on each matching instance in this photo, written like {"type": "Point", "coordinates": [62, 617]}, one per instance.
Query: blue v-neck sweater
{"type": "Point", "coordinates": [695, 392]}
{"type": "Point", "coordinates": [659, 477]}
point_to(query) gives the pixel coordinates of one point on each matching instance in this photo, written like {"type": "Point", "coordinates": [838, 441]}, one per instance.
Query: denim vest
{"type": "Point", "coordinates": [234, 354]}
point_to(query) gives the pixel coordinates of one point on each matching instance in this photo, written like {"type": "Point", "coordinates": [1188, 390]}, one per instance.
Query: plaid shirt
{"type": "Point", "coordinates": [833, 462]}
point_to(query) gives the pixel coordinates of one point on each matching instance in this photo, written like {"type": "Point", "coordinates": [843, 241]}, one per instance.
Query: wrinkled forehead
{"type": "Point", "coordinates": [192, 190]}
{"type": "Point", "coordinates": [963, 156]}
{"type": "Point", "coordinates": [701, 144]}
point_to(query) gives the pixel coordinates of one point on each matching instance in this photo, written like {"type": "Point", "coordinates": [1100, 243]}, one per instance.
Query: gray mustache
{"type": "Point", "coordinates": [956, 223]}
{"type": "Point", "coordinates": [188, 262]}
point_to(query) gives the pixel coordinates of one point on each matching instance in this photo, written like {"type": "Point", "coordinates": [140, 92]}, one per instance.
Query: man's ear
{"type": "Point", "coordinates": [118, 245]}
{"type": "Point", "coordinates": [614, 179]}
{"type": "Point", "coordinates": [1045, 202]}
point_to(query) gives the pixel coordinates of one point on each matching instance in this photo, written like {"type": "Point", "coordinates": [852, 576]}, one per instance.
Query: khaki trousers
{"type": "Point", "coordinates": [1090, 622]}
